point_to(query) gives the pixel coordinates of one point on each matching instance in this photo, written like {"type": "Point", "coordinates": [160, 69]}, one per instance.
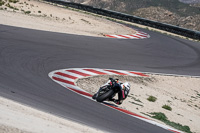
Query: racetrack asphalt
{"type": "Point", "coordinates": [27, 56]}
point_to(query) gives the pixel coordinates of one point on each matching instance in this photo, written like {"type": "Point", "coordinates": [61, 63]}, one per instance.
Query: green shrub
{"type": "Point", "coordinates": [167, 107]}
{"type": "Point", "coordinates": [27, 12]}
{"type": "Point", "coordinates": [161, 116]}
{"type": "Point", "coordinates": [12, 7]}
{"type": "Point", "coordinates": [39, 11]}
{"type": "Point", "coordinates": [152, 99]}
{"type": "Point", "coordinates": [13, 1]}
{"type": "Point", "coordinates": [2, 2]}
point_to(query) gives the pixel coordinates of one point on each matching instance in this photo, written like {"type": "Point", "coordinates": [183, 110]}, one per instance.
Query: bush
{"type": "Point", "coordinates": [2, 2]}
{"type": "Point", "coordinates": [161, 116]}
{"type": "Point", "coordinates": [12, 7]}
{"type": "Point", "coordinates": [152, 99]}
{"type": "Point", "coordinates": [27, 12]}
{"type": "Point", "coordinates": [167, 107]}
{"type": "Point", "coordinates": [13, 1]}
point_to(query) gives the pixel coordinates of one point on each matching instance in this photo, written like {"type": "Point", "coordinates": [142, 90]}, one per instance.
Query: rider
{"type": "Point", "coordinates": [123, 90]}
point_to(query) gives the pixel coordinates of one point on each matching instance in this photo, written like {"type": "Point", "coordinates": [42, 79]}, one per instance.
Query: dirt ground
{"type": "Point", "coordinates": [18, 118]}
{"type": "Point", "coordinates": [35, 14]}
{"type": "Point", "coordinates": [182, 94]}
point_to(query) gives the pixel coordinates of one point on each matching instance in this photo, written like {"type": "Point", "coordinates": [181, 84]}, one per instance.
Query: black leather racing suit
{"type": "Point", "coordinates": [122, 93]}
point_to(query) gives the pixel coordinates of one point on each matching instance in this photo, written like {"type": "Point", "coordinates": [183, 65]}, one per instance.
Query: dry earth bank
{"type": "Point", "coordinates": [40, 15]}
{"type": "Point", "coordinates": [17, 118]}
{"type": "Point", "coordinates": [182, 94]}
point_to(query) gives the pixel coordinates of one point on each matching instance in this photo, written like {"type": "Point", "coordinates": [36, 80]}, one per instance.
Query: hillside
{"type": "Point", "coordinates": [167, 11]}
{"type": "Point", "coordinates": [190, 1]}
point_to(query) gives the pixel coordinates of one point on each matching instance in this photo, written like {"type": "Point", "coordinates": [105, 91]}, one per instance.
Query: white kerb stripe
{"type": "Point", "coordinates": [117, 36]}
{"type": "Point", "coordinates": [72, 74]}
{"type": "Point", "coordinates": [86, 72]}
{"type": "Point", "coordinates": [109, 73]}
{"type": "Point", "coordinates": [62, 77]}
{"type": "Point", "coordinates": [126, 72]}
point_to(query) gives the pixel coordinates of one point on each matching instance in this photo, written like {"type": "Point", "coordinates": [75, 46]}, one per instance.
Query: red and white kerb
{"type": "Point", "coordinates": [137, 35]}
{"type": "Point", "coordinates": [67, 78]}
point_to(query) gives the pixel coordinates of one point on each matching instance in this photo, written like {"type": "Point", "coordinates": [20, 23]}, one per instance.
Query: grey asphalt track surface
{"type": "Point", "coordinates": [27, 56]}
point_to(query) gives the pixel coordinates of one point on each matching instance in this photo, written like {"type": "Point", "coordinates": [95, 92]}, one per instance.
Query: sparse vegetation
{"type": "Point", "coordinates": [151, 98]}
{"type": "Point", "coordinates": [179, 114]}
{"type": "Point", "coordinates": [39, 12]}
{"type": "Point", "coordinates": [132, 97]}
{"type": "Point", "coordinates": [12, 7]}
{"type": "Point", "coordinates": [13, 1]}
{"type": "Point", "coordinates": [86, 21]}
{"type": "Point", "coordinates": [2, 2]}
{"type": "Point", "coordinates": [167, 107]}
{"type": "Point", "coordinates": [183, 100]}
{"type": "Point", "coordinates": [136, 103]}
{"type": "Point", "coordinates": [161, 116]}
{"type": "Point", "coordinates": [27, 12]}
{"type": "Point", "coordinates": [169, 101]}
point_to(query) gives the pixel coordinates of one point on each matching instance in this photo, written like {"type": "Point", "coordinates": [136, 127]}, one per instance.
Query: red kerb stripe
{"type": "Point", "coordinates": [79, 73]}
{"type": "Point", "coordinates": [116, 72]}
{"type": "Point", "coordinates": [174, 131]}
{"type": "Point", "coordinates": [124, 36]}
{"type": "Point", "coordinates": [141, 74]}
{"type": "Point", "coordinates": [80, 92]}
{"type": "Point", "coordinates": [64, 81]}
{"type": "Point", "coordinates": [95, 71]}
{"type": "Point", "coordinates": [111, 36]}
{"type": "Point", "coordinates": [65, 75]}
{"type": "Point", "coordinates": [134, 36]}
{"type": "Point", "coordinates": [141, 35]}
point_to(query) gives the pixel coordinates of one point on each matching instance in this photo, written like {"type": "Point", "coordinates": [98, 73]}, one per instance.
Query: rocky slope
{"type": "Point", "coordinates": [169, 11]}
{"type": "Point", "coordinates": [190, 1]}
{"type": "Point", "coordinates": [165, 16]}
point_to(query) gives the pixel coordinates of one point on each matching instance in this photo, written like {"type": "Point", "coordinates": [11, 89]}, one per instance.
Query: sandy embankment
{"type": "Point", "coordinates": [17, 118]}
{"type": "Point", "coordinates": [182, 94]}
{"type": "Point", "coordinates": [43, 16]}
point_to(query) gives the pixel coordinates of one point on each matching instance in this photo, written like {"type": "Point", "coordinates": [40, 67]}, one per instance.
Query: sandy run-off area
{"type": "Point", "coordinates": [181, 93]}
{"type": "Point", "coordinates": [17, 118]}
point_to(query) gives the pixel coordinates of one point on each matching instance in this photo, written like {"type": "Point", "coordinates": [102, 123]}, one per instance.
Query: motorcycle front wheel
{"type": "Point", "coordinates": [108, 94]}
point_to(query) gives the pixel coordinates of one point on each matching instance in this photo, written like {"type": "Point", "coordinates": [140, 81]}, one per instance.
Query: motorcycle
{"type": "Point", "coordinates": [107, 91]}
